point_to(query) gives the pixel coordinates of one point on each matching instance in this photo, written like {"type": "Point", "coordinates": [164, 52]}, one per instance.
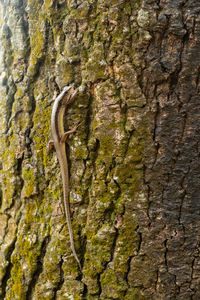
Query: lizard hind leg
{"type": "Point", "coordinates": [72, 97]}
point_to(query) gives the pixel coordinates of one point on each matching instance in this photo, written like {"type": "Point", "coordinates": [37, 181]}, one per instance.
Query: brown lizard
{"type": "Point", "coordinates": [59, 138]}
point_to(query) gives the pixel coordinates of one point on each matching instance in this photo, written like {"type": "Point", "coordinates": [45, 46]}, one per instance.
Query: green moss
{"type": "Point", "coordinates": [29, 255]}
{"type": "Point", "coordinates": [30, 181]}
{"type": "Point", "coordinates": [28, 247]}
{"type": "Point", "coordinates": [30, 213]}
{"type": "Point", "coordinates": [19, 93]}
{"type": "Point", "coordinates": [98, 253]}
{"type": "Point", "coordinates": [112, 287]}
{"type": "Point", "coordinates": [37, 41]}
{"type": "Point", "coordinates": [106, 149]}
{"type": "Point", "coordinates": [17, 290]}
{"type": "Point", "coordinates": [41, 133]}
{"type": "Point", "coordinates": [48, 4]}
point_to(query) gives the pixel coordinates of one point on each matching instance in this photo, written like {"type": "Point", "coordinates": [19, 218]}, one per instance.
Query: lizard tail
{"type": "Point", "coordinates": [69, 223]}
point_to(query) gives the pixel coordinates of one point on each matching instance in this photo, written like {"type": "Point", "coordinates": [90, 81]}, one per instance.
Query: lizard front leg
{"type": "Point", "coordinates": [69, 132]}
{"type": "Point", "coordinates": [50, 146]}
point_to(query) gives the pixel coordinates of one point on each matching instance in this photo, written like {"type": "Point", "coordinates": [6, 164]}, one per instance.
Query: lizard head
{"type": "Point", "coordinates": [67, 88]}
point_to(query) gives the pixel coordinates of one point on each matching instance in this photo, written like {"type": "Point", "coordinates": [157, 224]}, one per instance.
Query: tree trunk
{"type": "Point", "coordinates": [133, 162]}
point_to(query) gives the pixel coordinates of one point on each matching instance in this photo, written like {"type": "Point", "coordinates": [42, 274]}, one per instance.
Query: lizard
{"type": "Point", "coordinates": [59, 139]}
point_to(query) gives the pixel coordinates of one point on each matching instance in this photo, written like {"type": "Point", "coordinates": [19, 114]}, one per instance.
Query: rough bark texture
{"type": "Point", "coordinates": [134, 161]}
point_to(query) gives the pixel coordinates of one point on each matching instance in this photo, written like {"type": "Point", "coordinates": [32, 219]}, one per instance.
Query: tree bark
{"type": "Point", "coordinates": [133, 162]}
